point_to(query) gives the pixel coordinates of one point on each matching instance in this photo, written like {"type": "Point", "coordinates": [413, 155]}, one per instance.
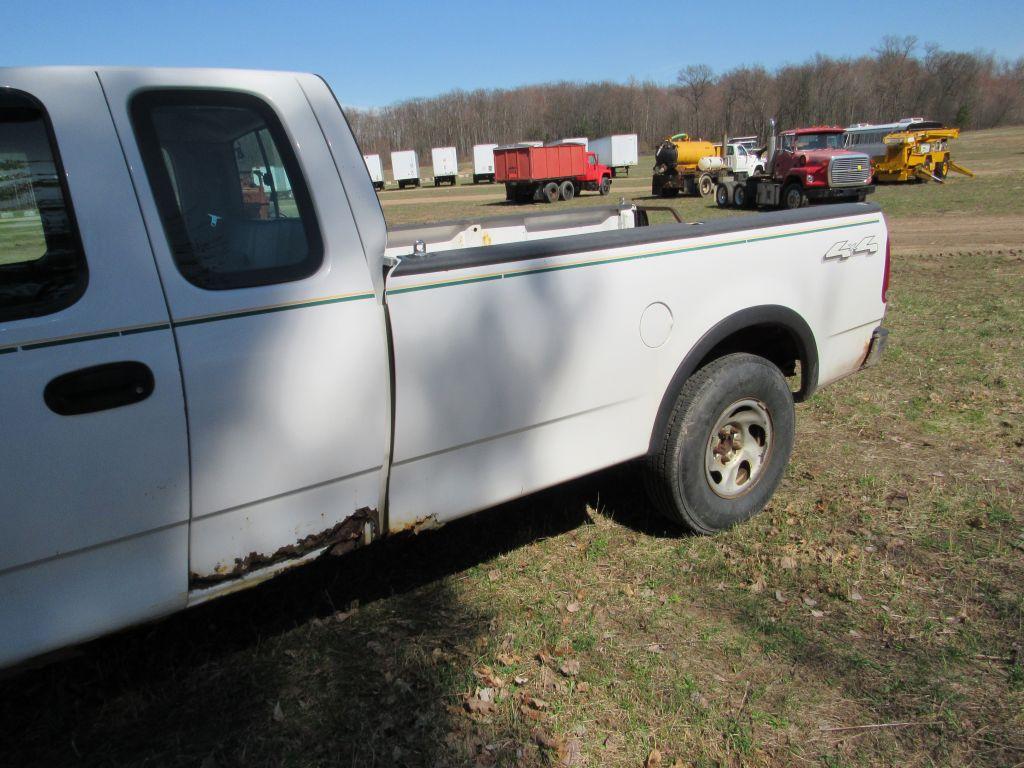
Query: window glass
{"type": "Point", "coordinates": [233, 204]}
{"type": "Point", "coordinates": [42, 266]}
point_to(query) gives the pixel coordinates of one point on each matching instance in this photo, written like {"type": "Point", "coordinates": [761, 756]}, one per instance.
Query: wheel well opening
{"type": "Point", "coordinates": [772, 341]}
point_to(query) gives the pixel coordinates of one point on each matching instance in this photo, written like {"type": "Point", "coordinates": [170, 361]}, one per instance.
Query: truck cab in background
{"type": "Point", "coordinates": [804, 165]}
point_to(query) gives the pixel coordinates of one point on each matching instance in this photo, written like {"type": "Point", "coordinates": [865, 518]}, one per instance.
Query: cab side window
{"type": "Point", "coordinates": [232, 200]}
{"type": "Point", "coordinates": [42, 264]}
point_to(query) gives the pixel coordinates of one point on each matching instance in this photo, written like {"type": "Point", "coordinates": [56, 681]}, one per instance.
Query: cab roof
{"type": "Point", "coordinates": [816, 129]}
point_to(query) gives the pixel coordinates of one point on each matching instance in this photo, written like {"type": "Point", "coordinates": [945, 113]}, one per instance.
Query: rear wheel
{"type": "Point", "coordinates": [739, 196]}
{"type": "Point", "coordinates": [727, 443]}
{"type": "Point", "coordinates": [705, 185]}
{"type": "Point", "coordinates": [567, 190]}
{"type": "Point", "coordinates": [550, 192]}
{"type": "Point", "coordinates": [722, 196]}
{"type": "Point", "coordinates": [792, 195]}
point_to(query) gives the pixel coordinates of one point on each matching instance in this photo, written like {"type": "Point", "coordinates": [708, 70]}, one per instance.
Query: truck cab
{"type": "Point", "coordinates": [739, 160]}
{"type": "Point", "coordinates": [813, 161]}
{"type": "Point", "coordinates": [595, 172]}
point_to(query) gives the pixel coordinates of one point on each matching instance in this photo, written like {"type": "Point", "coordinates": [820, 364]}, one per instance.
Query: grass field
{"type": "Point", "coordinates": [872, 615]}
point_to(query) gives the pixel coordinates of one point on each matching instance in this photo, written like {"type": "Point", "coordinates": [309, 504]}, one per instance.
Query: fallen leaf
{"type": "Point", "coordinates": [856, 597]}
{"type": "Point", "coordinates": [570, 668]}
{"type": "Point", "coordinates": [571, 753]}
{"type": "Point", "coordinates": [376, 647]}
{"type": "Point", "coordinates": [653, 759]}
{"type": "Point", "coordinates": [573, 607]}
{"type": "Point", "coordinates": [582, 686]}
{"type": "Point", "coordinates": [494, 575]}
{"type": "Point", "coordinates": [544, 739]}
{"type": "Point", "coordinates": [278, 712]}
{"type": "Point", "coordinates": [487, 677]}
{"type": "Point", "coordinates": [534, 702]}
{"type": "Point", "coordinates": [478, 706]}
{"type": "Point", "coordinates": [656, 648]}
{"type": "Point", "coordinates": [507, 659]}
{"type": "Point", "coordinates": [757, 585]}
{"type": "Point", "coordinates": [787, 563]}
{"type": "Point", "coordinates": [532, 714]}
{"type": "Point", "coordinates": [809, 601]}
{"type": "Point", "coordinates": [779, 596]}
{"type": "Point", "coordinates": [817, 614]}
{"type": "Point", "coordinates": [520, 679]}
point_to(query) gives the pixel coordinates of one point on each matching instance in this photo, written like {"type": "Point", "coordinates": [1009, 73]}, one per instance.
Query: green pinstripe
{"type": "Point", "coordinates": [409, 289]}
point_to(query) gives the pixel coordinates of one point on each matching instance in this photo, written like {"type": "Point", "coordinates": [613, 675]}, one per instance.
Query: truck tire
{"type": "Point", "coordinates": [567, 190]}
{"type": "Point", "coordinates": [605, 186]}
{"type": "Point", "coordinates": [727, 442]}
{"type": "Point", "coordinates": [792, 196]}
{"type": "Point", "coordinates": [705, 185]}
{"type": "Point", "coordinates": [722, 196]}
{"type": "Point", "coordinates": [739, 195]}
{"type": "Point", "coordinates": [550, 192]}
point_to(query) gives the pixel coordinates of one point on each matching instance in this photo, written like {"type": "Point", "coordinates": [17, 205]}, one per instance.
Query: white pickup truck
{"type": "Point", "coordinates": [216, 365]}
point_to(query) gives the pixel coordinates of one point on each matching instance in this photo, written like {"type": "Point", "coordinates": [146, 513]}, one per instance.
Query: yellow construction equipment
{"type": "Point", "coordinates": [921, 155]}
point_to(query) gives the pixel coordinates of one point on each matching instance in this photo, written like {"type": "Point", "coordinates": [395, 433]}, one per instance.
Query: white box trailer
{"type": "Point", "coordinates": [483, 162]}
{"type": "Point", "coordinates": [405, 168]}
{"type": "Point", "coordinates": [581, 140]}
{"type": "Point", "coordinates": [376, 170]}
{"type": "Point", "coordinates": [618, 152]}
{"type": "Point", "coordinates": [446, 165]}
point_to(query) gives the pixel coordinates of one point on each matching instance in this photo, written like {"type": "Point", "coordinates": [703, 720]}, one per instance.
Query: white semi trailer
{"type": "Point", "coordinates": [405, 168]}
{"type": "Point", "coordinates": [483, 163]}
{"type": "Point", "coordinates": [445, 165]}
{"type": "Point", "coordinates": [619, 152]}
{"type": "Point", "coordinates": [583, 141]}
{"type": "Point", "coordinates": [376, 170]}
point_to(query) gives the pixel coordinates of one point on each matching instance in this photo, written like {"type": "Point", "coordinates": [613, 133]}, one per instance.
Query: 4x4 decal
{"type": "Point", "coordinates": [844, 249]}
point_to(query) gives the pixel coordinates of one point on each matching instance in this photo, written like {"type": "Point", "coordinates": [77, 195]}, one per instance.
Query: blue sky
{"type": "Point", "coordinates": [375, 53]}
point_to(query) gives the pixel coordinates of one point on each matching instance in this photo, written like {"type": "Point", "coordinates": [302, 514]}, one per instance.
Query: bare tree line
{"type": "Point", "coordinates": [899, 78]}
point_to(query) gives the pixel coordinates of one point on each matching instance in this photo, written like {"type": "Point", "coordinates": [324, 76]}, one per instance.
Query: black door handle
{"type": "Point", "coordinates": [99, 387]}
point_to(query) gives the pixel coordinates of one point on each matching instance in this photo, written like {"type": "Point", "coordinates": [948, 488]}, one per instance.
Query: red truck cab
{"type": "Point", "coordinates": [813, 163]}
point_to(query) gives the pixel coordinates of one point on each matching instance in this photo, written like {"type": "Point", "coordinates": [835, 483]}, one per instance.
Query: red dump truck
{"type": "Point", "coordinates": [549, 173]}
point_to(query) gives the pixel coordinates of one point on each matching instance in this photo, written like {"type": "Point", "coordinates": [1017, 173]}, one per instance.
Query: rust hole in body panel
{"type": "Point", "coordinates": [337, 540]}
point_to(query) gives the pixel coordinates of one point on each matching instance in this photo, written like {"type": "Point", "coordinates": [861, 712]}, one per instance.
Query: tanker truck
{"type": "Point", "coordinates": [692, 166]}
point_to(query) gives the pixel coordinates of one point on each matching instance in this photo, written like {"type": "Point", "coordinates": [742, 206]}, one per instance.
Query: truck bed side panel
{"type": "Point", "coordinates": [517, 373]}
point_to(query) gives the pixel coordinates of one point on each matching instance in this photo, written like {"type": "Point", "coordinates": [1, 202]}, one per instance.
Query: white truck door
{"type": "Point", "coordinates": [282, 339]}
{"type": "Point", "coordinates": [93, 458]}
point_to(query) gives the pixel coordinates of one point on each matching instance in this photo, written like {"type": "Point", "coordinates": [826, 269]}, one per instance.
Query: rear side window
{"type": "Point", "coordinates": [42, 265]}
{"type": "Point", "coordinates": [232, 200]}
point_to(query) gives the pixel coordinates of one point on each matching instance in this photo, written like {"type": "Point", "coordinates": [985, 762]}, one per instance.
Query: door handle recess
{"type": "Point", "coordinates": [99, 388]}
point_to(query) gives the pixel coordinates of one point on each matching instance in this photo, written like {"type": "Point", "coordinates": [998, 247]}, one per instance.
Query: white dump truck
{"type": "Point", "coordinates": [405, 168]}
{"type": "Point", "coordinates": [376, 170]}
{"type": "Point", "coordinates": [206, 384]}
{"type": "Point", "coordinates": [445, 165]}
{"type": "Point", "coordinates": [619, 152]}
{"type": "Point", "coordinates": [483, 162]}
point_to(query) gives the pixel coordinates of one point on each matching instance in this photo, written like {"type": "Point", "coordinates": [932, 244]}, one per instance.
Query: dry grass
{"type": "Point", "coordinates": [873, 615]}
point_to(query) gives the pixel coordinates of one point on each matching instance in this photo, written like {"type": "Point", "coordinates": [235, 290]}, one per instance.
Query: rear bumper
{"type": "Point", "coordinates": [840, 193]}
{"type": "Point", "coordinates": [879, 340]}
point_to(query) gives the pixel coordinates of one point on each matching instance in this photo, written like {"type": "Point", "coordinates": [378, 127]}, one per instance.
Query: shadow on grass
{"type": "Point", "coordinates": [285, 674]}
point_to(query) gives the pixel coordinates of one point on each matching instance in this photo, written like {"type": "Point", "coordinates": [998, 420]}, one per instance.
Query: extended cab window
{"type": "Point", "coordinates": [233, 203]}
{"type": "Point", "coordinates": [42, 266]}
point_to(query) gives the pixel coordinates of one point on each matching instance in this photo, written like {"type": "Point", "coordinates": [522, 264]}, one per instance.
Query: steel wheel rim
{"type": "Point", "coordinates": [793, 198]}
{"type": "Point", "coordinates": [738, 448]}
